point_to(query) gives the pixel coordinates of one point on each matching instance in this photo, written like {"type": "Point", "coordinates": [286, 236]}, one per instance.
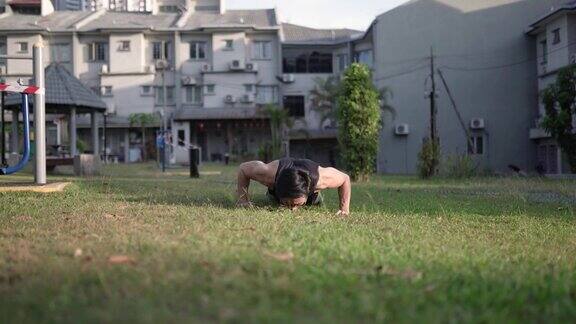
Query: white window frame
{"type": "Point", "coordinates": [159, 96]}
{"type": "Point", "coordinates": [193, 95]}
{"type": "Point", "coordinates": [23, 47]}
{"type": "Point", "coordinates": [343, 62]}
{"type": "Point", "coordinates": [209, 89]}
{"type": "Point", "coordinates": [228, 44]}
{"type": "Point", "coordinates": [556, 36]}
{"type": "Point", "coordinates": [165, 51]}
{"type": "Point", "coordinates": [124, 46]}
{"type": "Point", "coordinates": [262, 50]}
{"type": "Point", "coordinates": [107, 91]}
{"type": "Point", "coordinates": [475, 139]}
{"type": "Point", "coordinates": [93, 51]}
{"type": "Point", "coordinates": [148, 93]}
{"type": "Point", "coordinates": [195, 50]}
{"type": "Point", "coordinates": [267, 94]}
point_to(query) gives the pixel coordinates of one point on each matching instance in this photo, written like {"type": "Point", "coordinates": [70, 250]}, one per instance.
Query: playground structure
{"type": "Point", "coordinates": [39, 114]}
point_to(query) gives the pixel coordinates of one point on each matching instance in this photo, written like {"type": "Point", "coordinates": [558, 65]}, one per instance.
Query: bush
{"type": "Point", "coordinates": [460, 167]}
{"type": "Point", "coordinates": [359, 121]}
{"type": "Point", "coordinates": [428, 158]}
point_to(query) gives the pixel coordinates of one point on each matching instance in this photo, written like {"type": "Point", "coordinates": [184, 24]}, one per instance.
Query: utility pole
{"type": "Point", "coordinates": [433, 133]}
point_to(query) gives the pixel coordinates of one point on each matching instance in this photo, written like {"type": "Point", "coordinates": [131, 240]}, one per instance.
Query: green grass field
{"type": "Point", "coordinates": [480, 250]}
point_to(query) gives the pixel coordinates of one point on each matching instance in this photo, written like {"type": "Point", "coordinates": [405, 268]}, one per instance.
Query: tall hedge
{"type": "Point", "coordinates": [359, 121]}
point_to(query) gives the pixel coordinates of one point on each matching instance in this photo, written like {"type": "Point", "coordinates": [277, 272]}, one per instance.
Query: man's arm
{"type": "Point", "coordinates": [332, 178]}
{"type": "Point", "coordinates": [254, 170]}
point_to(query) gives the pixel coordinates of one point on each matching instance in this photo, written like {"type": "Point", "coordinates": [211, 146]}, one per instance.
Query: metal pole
{"type": "Point", "coordinates": [432, 98]}
{"type": "Point", "coordinates": [106, 138]}
{"type": "Point", "coordinates": [94, 122]}
{"type": "Point", "coordinates": [39, 117]}
{"type": "Point", "coordinates": [14, 142]}
{"type": "Point", "coordinates": [73, 135]}
{"type": "Point", "coordinates": [163, 113]}
{"type": "Point", "coordinates": [4, 162]}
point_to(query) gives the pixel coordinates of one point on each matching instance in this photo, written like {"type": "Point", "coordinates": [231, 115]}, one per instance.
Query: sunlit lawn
{"type": "Point", "coordinates": [481, 250]}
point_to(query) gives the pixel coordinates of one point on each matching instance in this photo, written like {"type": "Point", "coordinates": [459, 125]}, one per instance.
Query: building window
{"type": "Point", "coordinates": [193, 94]}
{"type": "Point", "coordinates": [209, 89]}
{"type": "Point", "coordinates": [342, 62]}
{"type": "Point", "coordinates": [266, 94]}
{"type": "Point", "coordinates": [198, 50]}
{"type": "Point", "coordinates": [262, 50]}
{"type": "Point", "coordinates": [146, 90]}
{"type": "Point", "coordinates": [228, 44]}
{"type": "Point", "coordinates": [124, 46]}
{"type": "Point", "coordinates": [556, 36]}
{"type": "Point", "coordinates": [159, 91]}
{"type": "Point", "coordinates": [168, 8]}
{"type": "Point", "coordinates": [181, 137]}
{"type": "Point", "coordinates": [544, 48]}
{"type": "Point", "coordinates": [106, 91]}
{"type": "Point", "coordinates": [22, 47]}
{"type": "Point", "coordinates": [365, 57]}
{"type": "Point", "coordinates": [60, 53]}
{"type": "Point", "coordinates": [295, 105]}
{"type": "Point", "coordinates": [161, 50]}
{"type": "Point", "coordinates": [476, 145]}
{"type": "Point", "coordinates": [249, 88]}
{"type": "Point", "coordinates": [98, 52]}
{"type": "Point", "coordinates": [298, 61]}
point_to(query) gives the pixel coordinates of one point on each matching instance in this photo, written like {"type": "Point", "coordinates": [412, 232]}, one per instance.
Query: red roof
{"type": "Point", "coordinates": [24, 2]}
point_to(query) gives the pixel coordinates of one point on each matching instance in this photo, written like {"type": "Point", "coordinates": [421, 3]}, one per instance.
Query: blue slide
{"type": "Point", "coordinates": [26, 155]}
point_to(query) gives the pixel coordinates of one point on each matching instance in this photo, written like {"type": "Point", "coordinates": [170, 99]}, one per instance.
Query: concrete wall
{"type": "Point", "coordinates": [473, 35]}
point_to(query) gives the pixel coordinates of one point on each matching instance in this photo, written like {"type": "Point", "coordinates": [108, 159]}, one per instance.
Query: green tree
{"type": "Point", "coordinates": [359, 120]}
{"type": "Point", "coordinates": [143, 120]}
{"type": "Point", "coordinates": [559, 103]}
{"type": "Point", "coordinates": [428, 158]}
{"type": "Point", "coordinates": [280, 122]}
{"type": "Point", "coordinates": [323, 98]}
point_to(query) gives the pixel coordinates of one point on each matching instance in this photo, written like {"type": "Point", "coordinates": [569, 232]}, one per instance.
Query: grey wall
{"type": "Point", "coordinates": [465, 34]}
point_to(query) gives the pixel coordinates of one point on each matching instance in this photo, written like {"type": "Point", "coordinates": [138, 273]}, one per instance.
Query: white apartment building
{"type": "Point", "coordinates": [209, 71]}
{"type": "Point", "coordinates": [555, 35]}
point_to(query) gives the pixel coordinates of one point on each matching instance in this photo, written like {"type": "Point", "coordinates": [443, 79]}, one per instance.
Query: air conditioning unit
{"type": "Point", "coordinates": [248, 98]}
{"type": "Point", "coordinates": [161, 64]}
{"type": "Point", "coordinates": [288, 78]}
{"type": "Point", "coordinates": [188, 80]}
{"type": "Point", "coordinates": [237, 65]}
{"type": "Point", "coordinates": [230, 99]}
{"type": "Point", "coordinates": [402, 129]}
{"type": "Point", "coordinates": [206, 67]}
{"type": "Point", "coordinates": [252, 67]}
{"type": "Point", "coordinates": [573, 59]}
{"type": "Point", "coordinates": [3, 70]}
{"type": "Point", "coordinates": [477, 123]}
{"type": "Point", "coordinates": [104, 69]}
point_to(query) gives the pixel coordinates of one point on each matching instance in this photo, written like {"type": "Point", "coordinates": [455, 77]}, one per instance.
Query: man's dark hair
{"type": "Point", "coordinates": [292, 183]}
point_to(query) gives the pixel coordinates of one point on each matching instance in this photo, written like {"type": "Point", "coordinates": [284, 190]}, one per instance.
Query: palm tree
{"type": "Point", "coordinates": [324, 95]}
{"type": "Point", "coordinates": [323, 98]}
{"type": "Point", "coordinates": [280, 123]}
{"type": "Point", "coordinates": [142, 120]}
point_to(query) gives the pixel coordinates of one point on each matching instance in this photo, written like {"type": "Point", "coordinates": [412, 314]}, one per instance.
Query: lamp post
{"type": "Point", "coordinates": [105, 138]}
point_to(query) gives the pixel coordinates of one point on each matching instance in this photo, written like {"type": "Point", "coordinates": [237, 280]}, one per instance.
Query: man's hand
{"type": "Point", "coordinates": [343, 213]}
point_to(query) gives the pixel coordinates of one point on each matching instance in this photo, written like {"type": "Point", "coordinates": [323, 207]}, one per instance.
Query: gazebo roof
{"type": "Point", "coordinates": [63, 92]}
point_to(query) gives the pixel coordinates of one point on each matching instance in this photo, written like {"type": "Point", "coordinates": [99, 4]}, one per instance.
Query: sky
{"type": "Point", "coordinates": [355, 14]}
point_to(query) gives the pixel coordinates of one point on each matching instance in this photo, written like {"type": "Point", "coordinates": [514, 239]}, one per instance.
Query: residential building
{"type": "Point", "coordinates": [481, 48]}
{"type": "Point", "coordinates": [209, 72]}
{"type": "Point", "coordinates": [555, 36]}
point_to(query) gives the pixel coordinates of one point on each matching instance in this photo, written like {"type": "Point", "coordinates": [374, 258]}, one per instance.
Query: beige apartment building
{"type": "Point", "coordinates": [207, 71]}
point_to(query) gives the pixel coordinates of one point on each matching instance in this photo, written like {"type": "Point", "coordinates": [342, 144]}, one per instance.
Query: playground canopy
{"type": "Point", "coordinates": [63, 92]}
